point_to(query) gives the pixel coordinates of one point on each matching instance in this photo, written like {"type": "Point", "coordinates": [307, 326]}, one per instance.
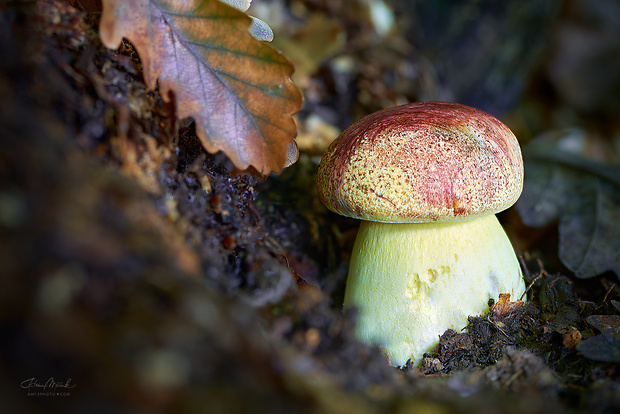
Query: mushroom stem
{"type": "Point", "coordinates": [413, 281]}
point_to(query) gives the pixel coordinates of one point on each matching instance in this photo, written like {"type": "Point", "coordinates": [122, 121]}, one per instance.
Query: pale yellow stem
{"type": "Point", "coordinates": [413, 281]}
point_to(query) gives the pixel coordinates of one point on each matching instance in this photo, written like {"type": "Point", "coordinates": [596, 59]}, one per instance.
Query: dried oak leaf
{"type": "Point", "coordinates": [504, 306]}
{"type": "Point", "coordinates": [237, 89]}
{"type": "Point", "coordinates": [584, 195]}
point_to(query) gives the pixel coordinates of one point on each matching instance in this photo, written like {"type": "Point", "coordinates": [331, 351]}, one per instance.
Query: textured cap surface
{"type": "Point", "coordinates": [422, 162]}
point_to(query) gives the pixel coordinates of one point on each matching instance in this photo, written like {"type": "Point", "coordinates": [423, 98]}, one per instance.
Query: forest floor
{"type": "Point", "coordinates": [142, 274]}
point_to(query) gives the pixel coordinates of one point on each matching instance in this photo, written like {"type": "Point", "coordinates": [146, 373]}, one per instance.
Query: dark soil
{"type": "Point", "coordinates": [141, 274]}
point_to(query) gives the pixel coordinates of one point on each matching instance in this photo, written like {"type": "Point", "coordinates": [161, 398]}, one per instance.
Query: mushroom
{"type": "Point", "coordinates": [426, 179]}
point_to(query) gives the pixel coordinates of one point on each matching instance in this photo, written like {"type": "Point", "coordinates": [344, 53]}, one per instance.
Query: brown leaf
{"type": "Point", "coordinates": [237, 89]}
{"type": "Point", "coordinates": [504, 305]}
{"type": "Point", "coordinates": [571, 338]}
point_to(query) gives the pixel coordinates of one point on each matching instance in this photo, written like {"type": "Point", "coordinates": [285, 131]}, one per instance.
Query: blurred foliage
{"type": "Point", "coordinates": [583, 194]}
{"type": "Point", "coordinates": [482, 52]}
{"type": "Point", "coordinates": [606, 346]}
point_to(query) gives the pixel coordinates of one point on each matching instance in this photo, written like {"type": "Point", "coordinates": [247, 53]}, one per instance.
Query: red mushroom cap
{"type": "Point", "coordinates": [422, 162]}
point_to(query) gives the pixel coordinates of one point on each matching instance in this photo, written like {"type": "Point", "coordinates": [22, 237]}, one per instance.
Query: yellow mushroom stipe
{"type": "Point", "coordinates": [413, 281]}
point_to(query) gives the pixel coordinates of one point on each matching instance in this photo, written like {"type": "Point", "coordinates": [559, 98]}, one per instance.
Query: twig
{"type": "Point", "coordinates": [523, 265]}
{"type": "Point", "coordinates": [608, 292]}
{"type": "Point", "coordinates": [540, 274]}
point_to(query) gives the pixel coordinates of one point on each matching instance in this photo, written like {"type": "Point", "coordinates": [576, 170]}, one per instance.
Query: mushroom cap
{"type": "Point", "coordinates": [422, 162]}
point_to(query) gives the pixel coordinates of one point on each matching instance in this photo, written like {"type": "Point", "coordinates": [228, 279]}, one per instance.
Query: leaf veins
{"type": "Point", "coordinates": [583, 196]}
{"type": "Point", "coordinates": [237, 89]}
